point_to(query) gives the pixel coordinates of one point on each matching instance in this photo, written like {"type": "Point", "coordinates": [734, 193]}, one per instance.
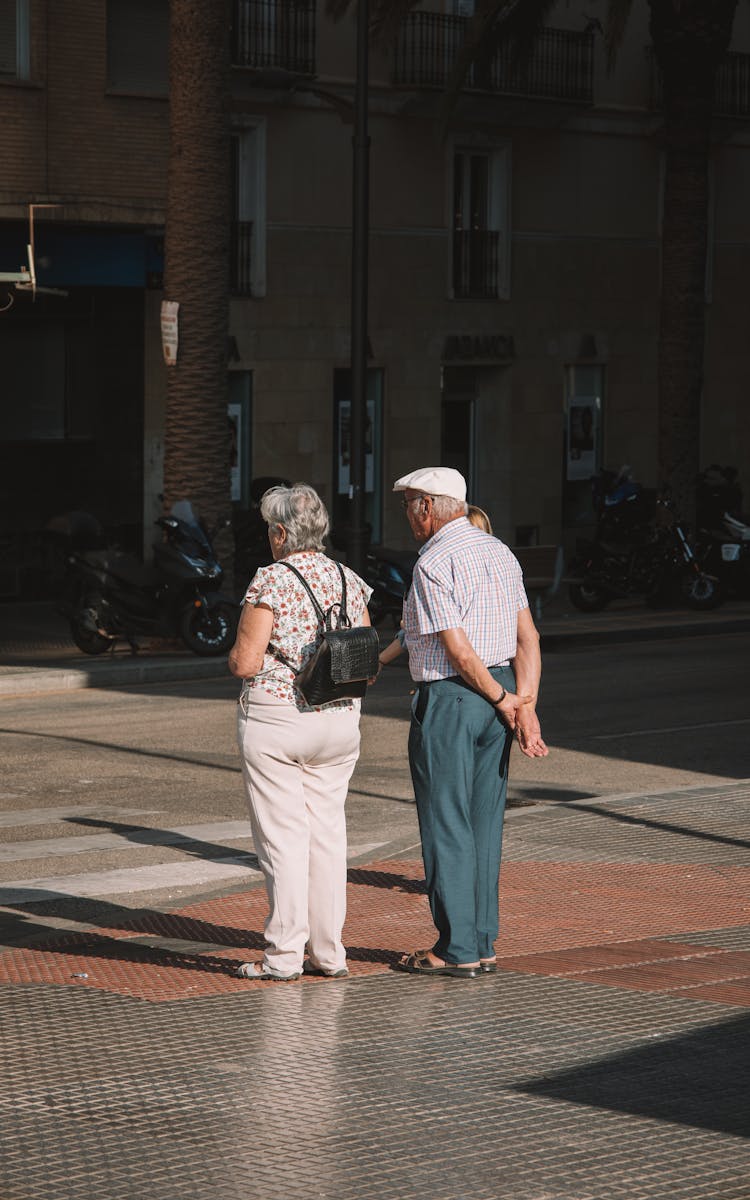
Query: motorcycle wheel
{"type": "Point", "coordinates": [88, 640]}
{"type": "Point", "coordinates": [700, 591]}
{"type": "Point", "coordinates": [208, 631]}
{"type": "Point", "coordinates": [586, 597]}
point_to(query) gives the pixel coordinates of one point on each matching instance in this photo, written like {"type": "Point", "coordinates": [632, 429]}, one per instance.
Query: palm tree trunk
{"type": "Point", "coordinates": [690, 39]}
{"type": "Point", "coordinates": [196, 252]}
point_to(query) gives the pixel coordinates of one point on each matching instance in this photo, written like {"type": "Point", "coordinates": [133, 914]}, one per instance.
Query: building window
{"type": "Point", "coordinates": [275, 35]}
{"type": "Point", "coordinates": [138, 46]}
{"type": "Point", "coordinates": [373, 435]}
{"type": "Point", "coordinates": [248, 257]}
{"type": "Point", "coordinates": [583, 435]}
{"type": "Point", "coordinates": [14, 39]}
{"type": "Point", "coordinates": [481, 224]}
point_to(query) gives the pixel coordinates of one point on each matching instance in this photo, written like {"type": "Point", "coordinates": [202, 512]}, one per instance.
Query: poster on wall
{"type": "Point", "coordinates": [344, 447]}
{"type": "Point", "coordinates": [235, 443]}
{"type": "Point", "coordinates": [169, 331]}
{"type": "Point", "coordinates": [583, 435]}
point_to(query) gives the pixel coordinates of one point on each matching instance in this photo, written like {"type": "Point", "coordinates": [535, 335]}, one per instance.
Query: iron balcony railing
{"type": "Point", "coordinates": [732, 95]}
{"type": "Point", "coordinates": [240, 262]}
{"type": "Point", "coordinates": [476, 264]}
{"type": "Point", "coordinates": [560, 67]}
{"type": "Point", "coordinates": [274, 35]}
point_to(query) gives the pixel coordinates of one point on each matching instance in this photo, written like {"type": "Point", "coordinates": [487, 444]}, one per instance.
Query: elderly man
{"type": "Point", "coordinates": [469, 632]}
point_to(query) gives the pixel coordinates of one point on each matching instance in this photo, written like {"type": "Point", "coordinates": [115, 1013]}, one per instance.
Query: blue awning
{"type": "Point", "coordinates": [79, 257]}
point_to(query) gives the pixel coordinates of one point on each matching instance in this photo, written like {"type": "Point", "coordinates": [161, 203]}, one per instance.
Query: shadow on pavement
{"type": "Point", "coordinates": [146, 835]}
{"type": "Point", "coordinates": [699, 1078]}
{"type": "Point", "coordinates": [665, 826]}
{"type": "Point", "coordinates": [18, 927]}
{"type": "Point", "coordinates": [96, 744]}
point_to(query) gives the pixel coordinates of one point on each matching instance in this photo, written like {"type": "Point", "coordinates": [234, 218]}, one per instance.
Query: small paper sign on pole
{"type": "Point", "coordinates": [169, 331]}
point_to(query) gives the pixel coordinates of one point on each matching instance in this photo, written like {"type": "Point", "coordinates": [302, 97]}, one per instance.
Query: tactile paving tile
{"type": "Point", "coordinates": [694, 825]}
{"type": "Point", "coordinates": [393, 1088]}
{"type": "Point", "coordinates": [193, 952]}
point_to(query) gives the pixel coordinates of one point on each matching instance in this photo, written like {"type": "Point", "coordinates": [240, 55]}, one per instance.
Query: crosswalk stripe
{"type": "Point", "coordinates": [19, 817]}
{"type": "Point", "coordinates": [88, 843]}
{"type": "Point", "coordinates": [124, 881]}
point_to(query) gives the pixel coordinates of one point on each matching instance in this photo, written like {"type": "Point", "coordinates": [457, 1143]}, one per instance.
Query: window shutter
{"type": "Point", "coordinates": [137, 46]}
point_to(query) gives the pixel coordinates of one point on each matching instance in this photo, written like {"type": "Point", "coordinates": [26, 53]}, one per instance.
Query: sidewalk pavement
{"type": "Point", "coordinates": [607, 1059]}
{"type": "Point", "coordinates": [37, 655]}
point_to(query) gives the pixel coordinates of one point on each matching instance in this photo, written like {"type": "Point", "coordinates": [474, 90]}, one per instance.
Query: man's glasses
{"type": "Point", "coordinates": [406, 503]}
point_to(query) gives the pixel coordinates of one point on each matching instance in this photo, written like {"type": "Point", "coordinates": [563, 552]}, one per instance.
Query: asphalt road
{"type": "Point", "coordinates": [136, 792]}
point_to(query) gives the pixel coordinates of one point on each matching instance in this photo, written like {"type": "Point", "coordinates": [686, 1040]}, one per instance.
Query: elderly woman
{"type": "Point", "coordinates": [296, 760]}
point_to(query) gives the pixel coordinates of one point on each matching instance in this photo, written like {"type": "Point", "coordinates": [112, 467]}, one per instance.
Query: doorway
{"type": "Point", "coordinates": [458, 423]}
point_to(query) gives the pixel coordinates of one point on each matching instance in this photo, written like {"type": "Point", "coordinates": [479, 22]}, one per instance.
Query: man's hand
{"type": "Point", "coordinates": [511, 706]}
{"type": "Point", "coordinates": [529, 733]}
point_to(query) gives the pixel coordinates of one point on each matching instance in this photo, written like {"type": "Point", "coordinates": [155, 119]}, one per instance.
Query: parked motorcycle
{"type": "Point", "coordinates": [388, 573]}
{"type": "Point", "coordinates": [723, 541]}
{"type": "Point", "coordinates": [252, 548]}
{"type": "Point", "coordinates": [110, 596]}
{"type": "Point", "coordinates": [640, 549]}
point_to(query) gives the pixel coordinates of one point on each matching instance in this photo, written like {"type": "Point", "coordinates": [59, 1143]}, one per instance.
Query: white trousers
{"type": "Point", "coordinates": [296, 767]}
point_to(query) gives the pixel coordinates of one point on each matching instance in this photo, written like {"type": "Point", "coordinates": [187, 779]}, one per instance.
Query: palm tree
{"type": "Point", "coordinates": [196, 253]}
{"type": "Point", "coordinates": [690, 38]}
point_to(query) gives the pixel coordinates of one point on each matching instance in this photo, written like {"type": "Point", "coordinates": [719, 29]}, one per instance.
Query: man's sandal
{"type": "Point", "coordinates": [419, 963]}
{"type": "Point", "coordinates": [252, 970]}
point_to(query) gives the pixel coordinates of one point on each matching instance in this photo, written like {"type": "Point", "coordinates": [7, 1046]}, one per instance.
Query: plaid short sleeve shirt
{"type": "Point", "coordinates": [463, 579]}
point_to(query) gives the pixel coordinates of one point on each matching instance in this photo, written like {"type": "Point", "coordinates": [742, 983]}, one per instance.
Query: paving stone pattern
{"type": "Point", "coordinates": [530, 1089]}
{"type": "Point", "coordinates": [609, 1057]}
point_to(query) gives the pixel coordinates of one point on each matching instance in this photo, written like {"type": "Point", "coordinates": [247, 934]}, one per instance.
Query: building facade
{"type": "Point", "coordinates": [514, 265]}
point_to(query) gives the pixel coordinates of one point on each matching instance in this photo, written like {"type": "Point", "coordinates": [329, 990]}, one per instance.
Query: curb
{"type": "Point", "coordinates": [29, 681]}
{"type": "Point", "coordinates": [55, 677]}
{"type": "Point", "coordinates": [643, 633]}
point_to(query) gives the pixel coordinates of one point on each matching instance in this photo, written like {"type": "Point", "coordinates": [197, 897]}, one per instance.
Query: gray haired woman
{"type": "Point", "coordinates": [296, 760]}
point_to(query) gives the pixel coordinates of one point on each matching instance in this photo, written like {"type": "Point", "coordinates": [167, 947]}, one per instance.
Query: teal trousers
{"type": "Point", "coordinates": [458, 754]}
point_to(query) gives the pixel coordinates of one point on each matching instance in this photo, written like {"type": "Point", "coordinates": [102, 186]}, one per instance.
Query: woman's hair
{"type": "Point", "coordinates": [302, 513]}
{"type": "Point", "coordinates": [477, 516]}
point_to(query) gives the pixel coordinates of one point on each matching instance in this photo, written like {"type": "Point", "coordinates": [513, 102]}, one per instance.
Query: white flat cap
{"type": "Point", "coordinates": [434, 481]}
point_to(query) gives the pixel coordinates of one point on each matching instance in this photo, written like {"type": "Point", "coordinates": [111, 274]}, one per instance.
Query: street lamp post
{"type": "Point", "coordinates": [357, 532]}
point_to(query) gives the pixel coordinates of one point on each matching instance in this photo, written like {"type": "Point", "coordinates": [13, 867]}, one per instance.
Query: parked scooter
{"type": "Point", "coordinates": [110, 596]}
{"type": "Point", "coordinates": [252, 548]}
{"type": "Point", "coordinates": [640, 549]}
{"type": "Point", "coordinates": [723, 541]}
{"type": "Point", "coordinates": [388, 573]}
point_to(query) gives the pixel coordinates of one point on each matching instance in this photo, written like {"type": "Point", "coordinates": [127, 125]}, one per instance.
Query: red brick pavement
{"type": "Point", "coordinates": [588, 922]}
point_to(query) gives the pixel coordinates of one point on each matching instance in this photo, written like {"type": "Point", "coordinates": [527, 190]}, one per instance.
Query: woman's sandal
{"type": "Point", "coordinates": [488, 965]}
{"type": "Point", "coordinates": [309, 968]}
{"type": "Point", "coordinates": [252, 970]}
{"type": "Point", "coordinates": [419, 963]}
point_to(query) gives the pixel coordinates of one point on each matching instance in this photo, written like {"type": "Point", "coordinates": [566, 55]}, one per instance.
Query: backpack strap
{"type": "Point", "coordinates": [318, 610]}
{"type": "Point", "coordinates": [323, 617]}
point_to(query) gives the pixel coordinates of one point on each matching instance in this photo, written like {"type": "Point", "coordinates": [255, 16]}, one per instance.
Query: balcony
{"type": "Point", "coordinates": [240, 261]}
{"type": "Point", "coordinates": [732, 96]}
{"type": "Point", "coordinates": [561, 66]}
{"type": "Point", "coordinates": [274, 35]}
{"type": "Point", "coordinates": [476, 264]}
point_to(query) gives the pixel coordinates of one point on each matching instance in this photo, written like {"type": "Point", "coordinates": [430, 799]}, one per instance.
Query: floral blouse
{"type": "Point", "coordinates": [295, 623]}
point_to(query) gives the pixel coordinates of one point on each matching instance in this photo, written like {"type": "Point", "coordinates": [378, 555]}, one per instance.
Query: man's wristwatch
{"type": "Point", "coordinates": [500, 698]}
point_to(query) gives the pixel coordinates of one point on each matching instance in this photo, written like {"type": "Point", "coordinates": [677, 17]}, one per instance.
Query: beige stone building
{"type": "Point", "coordinates": [514, 262]}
